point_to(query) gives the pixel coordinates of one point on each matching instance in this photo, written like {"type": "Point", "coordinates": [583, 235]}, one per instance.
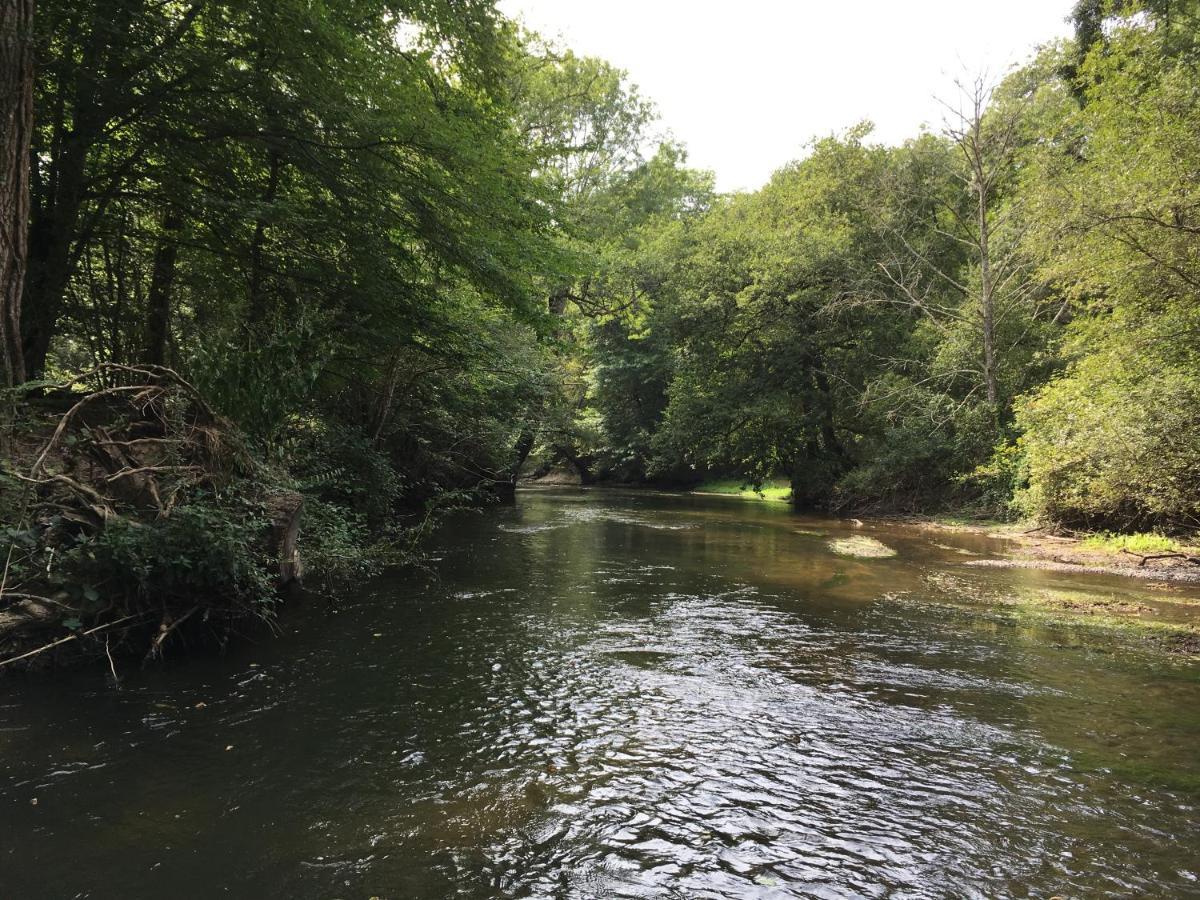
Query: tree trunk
{"type": "Point", "coordinates": [257, 306]}
{"type": "Point", "coordinates": [16, 113]}
{"type": "Point", "coordinates": [284, 510]}
{"type": "Point", "coordinates": [52, 233]}
{"type": "Point", "coordinates": [582, 465]}
{"type": "Point", "coordinates": [986, 291]}
{"type": "Point", "coordinates": [162, 278]}
{"type": "Point", "coordinates": [507, 490]}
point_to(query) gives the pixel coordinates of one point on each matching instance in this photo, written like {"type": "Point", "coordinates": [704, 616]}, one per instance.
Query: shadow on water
{"type": "Point", "coordinates": [629, 695]}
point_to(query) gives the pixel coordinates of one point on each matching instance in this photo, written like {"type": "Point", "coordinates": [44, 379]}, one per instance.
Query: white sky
{"type": "Point", "coordinates": [746, 84]}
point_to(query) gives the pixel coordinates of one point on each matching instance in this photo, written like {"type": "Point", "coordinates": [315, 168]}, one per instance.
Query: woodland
{"type": "Point", "coordinates": [283, 281]}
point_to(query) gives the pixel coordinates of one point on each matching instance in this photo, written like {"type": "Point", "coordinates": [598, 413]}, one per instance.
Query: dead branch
{"type": "Point", "coordinates": [1144, 558]}
{"type": "Point", "coordinates": [165, 628]}
{"type": "Point", "coordinates": [70, 414]}
{"type": "Point", "coordinates": [125, 473]}
{"type": "Point", "coordinates": [69, 638]}
{"type": "Point", "coordinates": [98, 502]}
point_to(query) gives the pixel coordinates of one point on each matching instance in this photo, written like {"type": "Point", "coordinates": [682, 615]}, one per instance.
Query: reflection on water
{"type": "Point", "coordinates": [627, 695]}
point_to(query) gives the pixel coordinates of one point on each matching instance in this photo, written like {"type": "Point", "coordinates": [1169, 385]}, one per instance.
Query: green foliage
{"type": "Point", "coordinates": [830, 328]}
{"type": "Point", "coordinates": [1145, 542]}
{"type": "Point", "coordinates": [915, 444]}
{"type": "Point", "coordinates": [406, 247]}
{"type": "Point", "coordinates": [342, 470]}
{"type": "Point", "coordinates": [1114, 441]}
{"type": "Point", "coordinates": [204, 553]}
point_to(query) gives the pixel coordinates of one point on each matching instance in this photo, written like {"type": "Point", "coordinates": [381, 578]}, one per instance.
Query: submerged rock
{"type": "Point", "coordinates": [862, 547]}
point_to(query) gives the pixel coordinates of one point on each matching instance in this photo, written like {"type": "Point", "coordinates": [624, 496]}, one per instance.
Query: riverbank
{"type": "Point", "coordinates": [1038, 548]}
{"type": "Point", "coordinates": [1143, 556]}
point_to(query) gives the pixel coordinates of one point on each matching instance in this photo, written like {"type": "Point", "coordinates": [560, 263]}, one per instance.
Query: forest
{"type": "Point", "coordinates": [283, 281]}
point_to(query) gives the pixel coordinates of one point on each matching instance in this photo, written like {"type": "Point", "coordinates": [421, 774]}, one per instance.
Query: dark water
{"type": "Point", "coordinates": [612, 695]}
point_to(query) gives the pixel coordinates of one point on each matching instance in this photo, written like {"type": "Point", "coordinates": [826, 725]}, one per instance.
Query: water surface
{"type": "Point", "coordinates": [628, 695]}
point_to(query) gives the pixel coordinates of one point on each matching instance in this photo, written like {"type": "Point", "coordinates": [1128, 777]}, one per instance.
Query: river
{"type": "Point", "coordinates": [607, 694]}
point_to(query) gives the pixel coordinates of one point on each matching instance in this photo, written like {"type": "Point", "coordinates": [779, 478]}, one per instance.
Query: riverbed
{"type": "Point", "coordinates": [621, 694]}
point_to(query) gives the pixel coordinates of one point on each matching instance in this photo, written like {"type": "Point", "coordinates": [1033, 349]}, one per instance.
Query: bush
{"type": "Point", "coordinates": [1114, 444]}
{"type": "Point", "coordinates": [912, 455]}
{"type": "Point", "coordinates": [207, 553]}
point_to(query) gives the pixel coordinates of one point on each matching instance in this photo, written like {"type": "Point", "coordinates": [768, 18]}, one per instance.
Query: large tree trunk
{"type": "Point", "coordinates": [55, 218]}
{"type": "Point", "coordinates": [507, 489]}
{"type": "Point", "coordinates": [16, 113]}
{"type": "Point", "coordinates": [162, 277]}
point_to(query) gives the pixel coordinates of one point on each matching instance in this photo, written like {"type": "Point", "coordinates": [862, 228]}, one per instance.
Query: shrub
{"type": "Point", "coordinates": [207, 552]}
{"type": "Point", "coordinates": [1115, 443]}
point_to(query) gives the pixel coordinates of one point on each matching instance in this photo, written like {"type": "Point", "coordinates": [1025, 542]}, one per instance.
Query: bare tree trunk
{"type": "Point", "coordinates": [16, 113]}
{"type": "Point", "coordinates": [383, 409]}
{"type": "Point", "coordinates": [162, 278]}
{"type": "Point", "coordinates": [989, 153]}
{"type": "Point", "coordinates": [986, 287]}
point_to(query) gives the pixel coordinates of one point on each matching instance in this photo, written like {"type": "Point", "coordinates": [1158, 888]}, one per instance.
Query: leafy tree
{"type": "Point", "coordinates": [1114, 440]}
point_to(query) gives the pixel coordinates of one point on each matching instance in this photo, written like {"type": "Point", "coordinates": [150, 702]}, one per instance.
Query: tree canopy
{"type": "Point", "coordinates": [411, 251]}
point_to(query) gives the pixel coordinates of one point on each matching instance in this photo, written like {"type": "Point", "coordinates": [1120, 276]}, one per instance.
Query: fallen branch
{"type": "Point", "coordinates": [1145, 558]}
{"type": "Point", "coordinates": [164, 631]}
{"type": "Point", "coordinates": [70, 414]}
{"type": "Point", "coordinates": [99, 502]}
{"type": "Point", "coordinates": [20, 595]}
{"type": "Point", "coordinates": [141, 470]}
{"type": "Point", "coordinates": [112, 667]}
{"type": "Point", "coordinates": [68, 639]}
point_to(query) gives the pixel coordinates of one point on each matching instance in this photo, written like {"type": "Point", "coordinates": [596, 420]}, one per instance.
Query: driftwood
{"type": "Point", "coordinates": [70, 638]}
{"type": "Point", "coordinates": [1144, 558]}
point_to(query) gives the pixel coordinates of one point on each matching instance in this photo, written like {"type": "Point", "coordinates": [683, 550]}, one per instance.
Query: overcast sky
{"type": "Point", "coordinates": [746, 84]}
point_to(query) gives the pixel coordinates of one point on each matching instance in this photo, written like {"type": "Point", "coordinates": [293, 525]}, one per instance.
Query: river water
{"type": "Point", "coordinates": [628, 695]}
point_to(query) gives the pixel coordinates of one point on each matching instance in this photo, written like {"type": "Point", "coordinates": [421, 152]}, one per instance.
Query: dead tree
{"type": "Point", "coordinates": [987, 229]}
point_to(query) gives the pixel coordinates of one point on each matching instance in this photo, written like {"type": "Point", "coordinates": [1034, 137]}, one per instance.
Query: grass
{"type": "Point", "coordinates": [775, 489]}
{"type": "Point", "coordinates": [1144, 543]}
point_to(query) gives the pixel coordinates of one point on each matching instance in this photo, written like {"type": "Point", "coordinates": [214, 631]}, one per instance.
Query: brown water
{"type": "Point", "coordinates": [628, 695]}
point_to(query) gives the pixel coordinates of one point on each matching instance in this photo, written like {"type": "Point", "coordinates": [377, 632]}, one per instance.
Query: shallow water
{"type": "Point", "coordinates": [629, 695]}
